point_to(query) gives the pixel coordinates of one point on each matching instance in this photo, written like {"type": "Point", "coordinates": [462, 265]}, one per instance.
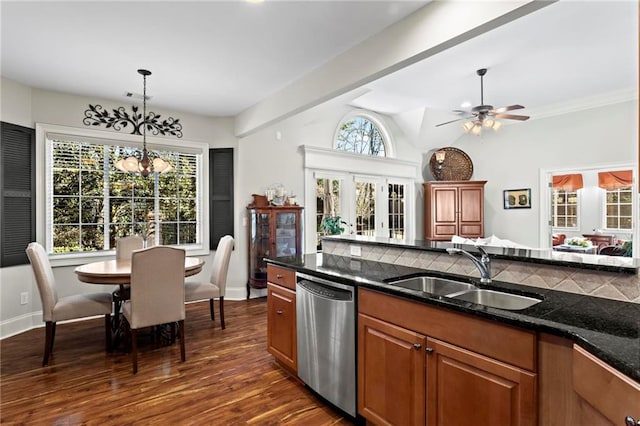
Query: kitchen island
{"type": "Point", "coordinates": [608, 330]}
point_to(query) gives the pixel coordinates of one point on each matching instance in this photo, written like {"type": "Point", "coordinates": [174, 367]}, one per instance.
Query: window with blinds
{"type": "Point", "coordinates": [90, 203]}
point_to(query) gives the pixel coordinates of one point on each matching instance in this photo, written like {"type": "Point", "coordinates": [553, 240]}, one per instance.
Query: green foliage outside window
{"type": "Point", "coordinates": [93, 203]}
{"type": "Point", "coordinates": [361, 136]}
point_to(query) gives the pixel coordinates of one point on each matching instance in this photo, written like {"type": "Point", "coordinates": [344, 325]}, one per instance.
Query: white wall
{"type": "Point", "coordinates": [513, 158]}
{"type": "Point", "coordinates": [26, 106]}
{"type": "Point", "coordinates": [509, 159]}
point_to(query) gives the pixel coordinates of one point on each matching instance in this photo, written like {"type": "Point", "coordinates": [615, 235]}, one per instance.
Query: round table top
{"type": "Point", "coordinates": [119, 271]}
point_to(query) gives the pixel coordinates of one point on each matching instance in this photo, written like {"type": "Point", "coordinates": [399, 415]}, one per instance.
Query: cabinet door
{"type": "Point", "coordinates": [391, 375]}
{"type": "Point", "coordinates": [464, 387]}
{"type": "Point", "coordinates": [445, 212]}
{"type": "Point", "coordinates": [281, 325]}
{"type": "Point", "coordinates": [259, 247]}
{"type": "Point", "coordinates": [471, 211]}
{"type": "Point", "coordinates": [605, 395]}
{"type": "Point", "coordinates": [286, 234]}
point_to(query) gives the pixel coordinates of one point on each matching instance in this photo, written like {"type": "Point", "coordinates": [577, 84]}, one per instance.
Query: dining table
{"type": "Point", "coordinates": [118, 272]}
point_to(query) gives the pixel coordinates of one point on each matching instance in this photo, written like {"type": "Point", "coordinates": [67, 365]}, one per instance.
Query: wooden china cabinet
{"type": "Point", "coordinates": [274, 232]}
{"type": "Point", "coordinates": [453, 208]}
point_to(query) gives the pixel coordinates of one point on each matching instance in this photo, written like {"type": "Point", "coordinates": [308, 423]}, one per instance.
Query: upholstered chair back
{"type": "Point", "coordinates": [44, 278]}
{"type": "Point", "coordinates": [157, 286]}
{"type": "Point", "coordinates": [221, 263]}
{"type": "Point", "coordinates": [126, 245]}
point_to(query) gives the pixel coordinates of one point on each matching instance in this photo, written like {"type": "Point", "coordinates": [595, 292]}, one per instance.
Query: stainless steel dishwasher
{"type": "Point", "coordinates": [325, 314]}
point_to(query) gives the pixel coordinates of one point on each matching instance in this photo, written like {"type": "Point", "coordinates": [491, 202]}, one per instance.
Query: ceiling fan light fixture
{"type": "Point", "coordinates": [468, 126]}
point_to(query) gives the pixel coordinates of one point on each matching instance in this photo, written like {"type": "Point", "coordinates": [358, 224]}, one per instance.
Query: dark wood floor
{"type": "Point", "coordinates": [228, 378]}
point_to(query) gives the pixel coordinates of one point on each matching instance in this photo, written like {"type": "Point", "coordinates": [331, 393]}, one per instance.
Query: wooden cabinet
{"type": "Point", "coordinates": [274, 232]}
{"type": "Point", "coordinates": [577, 388]}
{"type": "Point", "coordinates": [391, 373]}
{"type": "Point", "coordinates": [418, 364]}
{"type": "Point", "coordinates": [281, 317]}
{"type": "Point", "coordinates": [466, 387]}
{"type": "Point", "coordinates": [453, 208]}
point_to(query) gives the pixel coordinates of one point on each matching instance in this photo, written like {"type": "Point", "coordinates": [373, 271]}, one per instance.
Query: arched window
{"type": "Point", "coordinates": [362, 133]}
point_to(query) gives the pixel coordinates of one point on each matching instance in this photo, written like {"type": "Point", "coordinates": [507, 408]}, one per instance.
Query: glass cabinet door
{"type": "Point", "coordinates": [286, 241]}
{"type": "Point", "coordinates": [260, 245]}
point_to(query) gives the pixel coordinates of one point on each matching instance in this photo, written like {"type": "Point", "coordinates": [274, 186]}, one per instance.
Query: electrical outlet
{"type": "Point", "coordinates": [24, 298]}
{"type": "Point", "coordinates": [355, 250]}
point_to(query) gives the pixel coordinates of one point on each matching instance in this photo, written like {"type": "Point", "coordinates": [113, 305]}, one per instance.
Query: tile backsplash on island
{"type": "Point", "coordinates": [610, 285]}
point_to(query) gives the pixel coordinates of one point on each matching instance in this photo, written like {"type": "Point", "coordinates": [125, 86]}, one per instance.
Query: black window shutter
{"type": "Point", "coordinates": [220, 194]}
{"type": "Point", "coordinates": [17, 200]}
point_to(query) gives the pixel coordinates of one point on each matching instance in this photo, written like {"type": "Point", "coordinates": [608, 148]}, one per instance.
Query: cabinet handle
{"type": "Point", "coordinates": [417, 346]}
{"type": "Point", "coordinates": [279, 312]}
{"type": "Point", "coordinates": [629, 421]}
{"type": "Point", "coordinates": [279, 276]}
{"type": "Point", "coordinates": [428, 350]}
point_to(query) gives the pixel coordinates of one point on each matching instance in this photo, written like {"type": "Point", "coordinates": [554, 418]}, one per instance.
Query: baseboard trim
{"type": "Point", "coordinates": [20, 324]}
{"type": "Point", "coordinates": [26, 322]}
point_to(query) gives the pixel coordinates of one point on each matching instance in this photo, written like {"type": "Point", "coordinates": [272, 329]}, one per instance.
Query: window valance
{"type": "Point", "coordinates": [615, 180]}
{"type": "Point", "coordinates": [571, 182]}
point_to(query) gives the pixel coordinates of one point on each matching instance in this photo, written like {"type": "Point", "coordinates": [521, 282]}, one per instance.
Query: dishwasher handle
{"type": "Point", "coordinates": [325, 291]}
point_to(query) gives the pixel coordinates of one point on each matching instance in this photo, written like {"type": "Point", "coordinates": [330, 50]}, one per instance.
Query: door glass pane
{"type": "Point", "coordinates": [327, 204]}
{"type": "Point", "coordinates": [396, 210]}
{"type": "Point", "coordinates": [259, 241]}
{"type": "Point", "coordinates": [365, 208]}
{"type": "Point", "coordinates": [286, 234]}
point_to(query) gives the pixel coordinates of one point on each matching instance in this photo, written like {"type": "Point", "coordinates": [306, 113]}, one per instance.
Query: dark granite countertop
{"type": "Point", "coordinates": [608, 329]}
{"type": "Point", "coordinates": [541, 256]}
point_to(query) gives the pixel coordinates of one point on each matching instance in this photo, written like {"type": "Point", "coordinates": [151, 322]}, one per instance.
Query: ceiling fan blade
{"type": "Point", "coordinates": [452, 121]}
{"type": "Point", "coordinates": [512, 117]}
{"type": "Point", "coordinates": [507, 108]}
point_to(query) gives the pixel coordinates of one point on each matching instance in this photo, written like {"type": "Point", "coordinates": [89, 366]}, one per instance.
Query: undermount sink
{"type": "Point", "coordinates": [433, 285]}
{"type": "Point", "coordinates": [497, 299]}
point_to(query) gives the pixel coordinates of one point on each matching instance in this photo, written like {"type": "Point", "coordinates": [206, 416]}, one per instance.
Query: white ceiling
{"type": "Point", "coordinates": [208, 57]}
{"type": "Point", "coordinates": [218, 58]}
{"type": "Point", "coordinates": [569, 51]}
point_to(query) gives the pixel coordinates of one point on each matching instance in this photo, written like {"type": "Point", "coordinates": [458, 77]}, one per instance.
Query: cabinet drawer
{"type": "Point", "coordinates": [610, 392]}
{"type": "Point", "coordinates": [502, 342]}
{"type": "Point", "coordinates": [281, 276]}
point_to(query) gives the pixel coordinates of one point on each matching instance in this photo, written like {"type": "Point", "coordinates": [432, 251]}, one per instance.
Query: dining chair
{"type": "Point", "coordinates": [124, 248]}
{"type": "Point", "coordinates": [126, 245]}
{"type": "Point", "coordinates": [157, 293]}
{"type": "Point", "coordinates": [217, 284]}
{"type": "Point", "coordinates": [56, 308]}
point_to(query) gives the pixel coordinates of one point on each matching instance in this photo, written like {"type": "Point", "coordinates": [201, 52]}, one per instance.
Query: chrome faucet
{"type": "Point", "coordinates": [483, 264]}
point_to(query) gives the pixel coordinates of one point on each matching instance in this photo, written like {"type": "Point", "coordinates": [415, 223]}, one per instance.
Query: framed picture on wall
{"type": "Point", "coordinates": [517, 198]}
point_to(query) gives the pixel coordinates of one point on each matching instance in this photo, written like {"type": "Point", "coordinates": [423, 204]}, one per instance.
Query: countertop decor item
{"type": "Point", "coordinates": [276, 195]}
{"type": "Point", "coordinates": [450, 163]}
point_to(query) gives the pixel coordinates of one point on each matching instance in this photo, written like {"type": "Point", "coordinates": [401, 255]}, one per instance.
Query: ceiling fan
{"type": "Point", "coordinates": [485, 115]}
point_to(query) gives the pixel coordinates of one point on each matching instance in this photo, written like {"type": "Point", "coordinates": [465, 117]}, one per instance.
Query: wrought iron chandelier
{"type": "Point", "coordinates": [144, 165]}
